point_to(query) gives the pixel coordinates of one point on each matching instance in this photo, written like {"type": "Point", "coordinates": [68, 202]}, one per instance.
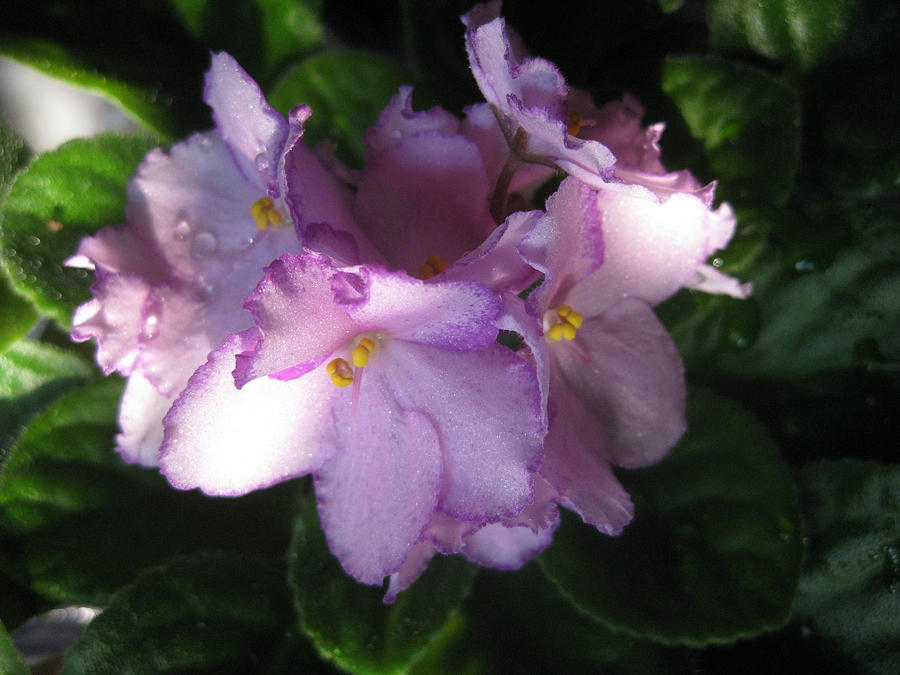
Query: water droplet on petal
{"type": "Point", "coordinates": [202, 289]}
{"type": "Point", "coordinates": [262, 162]}
{"type": "Point", "coordinates": [183, 229]}
{"type": "Point", "coordinates": [204, 244]}
{"type": "Point", "coordinates": [151, 327]}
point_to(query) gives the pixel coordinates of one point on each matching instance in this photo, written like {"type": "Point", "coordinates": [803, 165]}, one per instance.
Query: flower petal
{"type": "Point", "coordinates": [141, 415]}
{"type": "Point", "coordinates": [454, 315]}
{"type": "Point", "coordinates": [425, 195]}
{"type": "Point", "coordinates": [485, 405]}
{"type": "Point", "coordinates": [506, 548]}
{"type": "Point", "coordinates": [254, 132]}
{"type": "Point", "coordinates": [650, 250]}
{"type": "Point", "coordinates": [229, 442]}
{"type": "Point", "coordinates": [398, 121]}
{"type": "Point", "coordinates": [634, 382]}
{"type": "Point", "coordinates": [566, 244]}
{"type": "Point", "coordinates": [576, 464]}
{"type": "Point", "coordinates": [115, 316]}
{"type": "Point", "coordinates": [379, 491]}
{"type": "Point", "coordinates": [300, 324]}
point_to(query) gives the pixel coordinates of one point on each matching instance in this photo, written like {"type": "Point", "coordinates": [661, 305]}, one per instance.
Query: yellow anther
{"type": "Point", "coordinates": [265, 214]}
{"type": "Point", "coordinates": [572, 317]}
{"type": "Point", "coordinates": [360, 353]}
{"type": "Point", "coordinates": [567, 326]}
{"type": "Point", "coordinates": [340, 372]}
{"type": "Point", "coordinates": [360, 356]}
{"type": "Point", "coordinates": [574, 123]}
{"type": "Point", "coordinates": [432, 267]}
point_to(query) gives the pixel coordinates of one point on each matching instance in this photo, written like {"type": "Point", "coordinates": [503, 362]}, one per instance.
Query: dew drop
{"type": "Point", "coordinates": [396, 134]}
{"type": "Point", "coordinates": [202, 289]}
{"type": "Point", "coordinates": [805, 266]}
{"type": "Point", "coordinates": [718, 262]}
{"type": "Point", "coordinates": [262, 162]}
{"type": "Point", "coordinates": [183, 229]}
{"type": "Point", "coordinates": [34, 241]}
{"type": "Point", "coordinates": [151, 327]}
{"type": "Point", "coordinates": [204, 244]}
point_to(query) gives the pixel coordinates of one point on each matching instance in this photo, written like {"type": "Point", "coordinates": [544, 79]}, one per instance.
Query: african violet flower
{"type": "Point", "coordinates": [203, 220]}
{"type": "Point", "coordinates": [389, 389]}
{"type": "Point", "coordinates": [610, 373]}
{"type": "Point", "coordinates": [544, 121]}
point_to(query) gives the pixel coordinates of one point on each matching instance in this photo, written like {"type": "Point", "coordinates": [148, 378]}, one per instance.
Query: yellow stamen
{"type": "Point", "coordinates": [432, 267]}
{"type": "Point", "coordinates": [574, 123]}
{"type": "Point", "coordinates": [567, 326]}
{"type": "Point", "coordinates": [340, 372]}
{"type": "Point", "coordinates": [265, 214]}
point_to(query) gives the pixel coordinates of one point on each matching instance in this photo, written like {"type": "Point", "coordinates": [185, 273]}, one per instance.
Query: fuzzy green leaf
{"type": "Point", "coordinates": [798, 32]}
{"type": "Point", "coordinates": [714, 551]}
{"type": "Point", "coordinates": [349, 623]}
{"type": "Point", "coordinates": [346, 91]}
{"type": "Point", "coordinates": [748, 121]}
{"type": "Point", "coordinates": [211, 613]}
{"type": "Point", "coordinates": [851, 582]}
{"type": "Point", "coordinates": [61, 197]}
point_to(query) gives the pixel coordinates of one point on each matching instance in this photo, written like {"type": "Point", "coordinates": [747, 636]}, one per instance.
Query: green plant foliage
{"type": "Point", "coordinates": [714, 551]}
{"type": "Point", "coordinates": [87, 523]}
{"type": "Point", "coordinates": [346, 91]}
{"type": "Point", "coordinates": [814, 320]}
{"type": "Point", "coordinates": [61, 197]}
{"type": "Point", "coordinates": [55, 61]}
{"type": "Point", "coordinates": [260, 34]}
{"type": "Point", "coordinates": [31, 376]}
{"type": "Point", "coordinates": [799, 32]}
{"type": "Point", "coordinates": [749, 123]}
{"type": "Point", "coordinates": [210, 613]}
{"type": "Point", "coordinates": [11, 662]}
{"type": "Point", "coordinates": [504, 627]}
{"type": "Point", "coordinates": [349, 623]}
{"type": "Point", "coordinates": [848, 592]}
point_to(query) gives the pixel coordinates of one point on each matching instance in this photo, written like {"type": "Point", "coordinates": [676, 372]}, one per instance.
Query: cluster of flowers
{"type": "Point", "coordinates": [278, 314]}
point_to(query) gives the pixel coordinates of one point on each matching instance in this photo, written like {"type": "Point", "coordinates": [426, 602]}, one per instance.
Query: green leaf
{"type": "Point", "coordinates": [87, 523]}
{"type": "Point", "coordinates": [851, 581]}
{"type": "Point", "coordinates": [260, 34]}
{"type": "Point", "coordinates": [61, 197]}
{"type": "Point", "coordinates": [17, 316]}
{"type": "Point", "coordinates": [749, 123]}
{"type": "Point", "coordinates": [31, 376]}
{"type": "Point", "coordinates": [714, 551]}
{"type": "Point", "coordinates": [349, 623]}
{"type": "Point", "coordinates": [799, 32]}
{"type": "Point", "coordinates": [670, 5]}
{"type": "Point", "coordinates": [12, 156]}
{"type": "Point", "coordinates": [519, 622]}
{"type": "Point", "coordinates": [346, 91]}
{"type": "Point", "coordinates": [817, 320]}
{"type": "Point", "coordinates": [11, 662]}
{"type": "Point", "coordinates": [212, 612]}
{"type": "Point", "coordinates": [55, 61]}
